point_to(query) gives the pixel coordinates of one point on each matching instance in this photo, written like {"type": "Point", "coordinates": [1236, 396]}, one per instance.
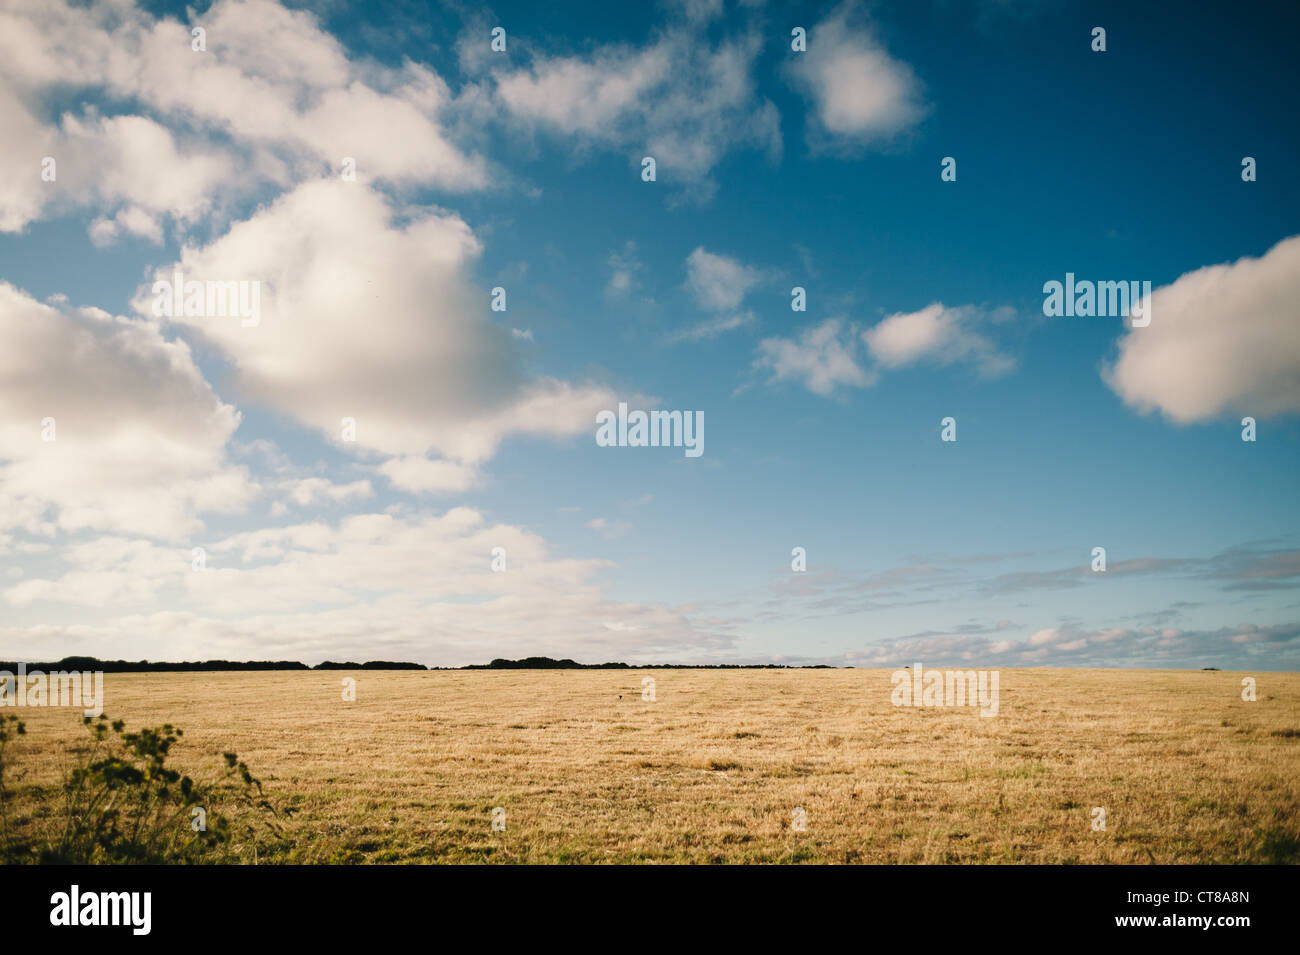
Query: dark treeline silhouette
{"type": "Point", "coordinates": [91, 664]}
{"type": "Point", "coordinates": [547, 663]}
{"type": "Point", "coordinates": [542, 663]}
{"type": "Point", "coordinates": [369, 665]}
{"type": "Point", "coordinates": [143, 666]}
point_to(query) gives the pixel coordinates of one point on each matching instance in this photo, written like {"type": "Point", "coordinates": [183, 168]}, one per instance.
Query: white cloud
{"type": "Point", "coordinates": [681, 100]}
{"type": "Point", "coordinates": [273, 99]}
{"type": "Point", "coordinates": [831, 355]}
{"type": "Point", "coordinates": [427, 475]}
{"type": "Point", "coordinates": [586, 96]}
{"type": "Point", "coordinates": [306, 492]}
{"type": "Point", "coordinates": [128, 163]}
{"type": "Point", "coordinates": [367, 318]}
{"type": "Point", "coordinates": [719, 282]}
{"type": "Point", "coordinates": [380, 586]}
{"type": "Point", "coordinates": [131, 220]}
{"type": "Point", "coordinates": [823, 358]}
{"type": "Point", "coordinates": [139, 436]}
{"type": "Point", "coordinates": [858, 92]}
{"type": "Point", "coordinates": [1222, 339]}
{"type": "Point", "coordinates": [937, 334]}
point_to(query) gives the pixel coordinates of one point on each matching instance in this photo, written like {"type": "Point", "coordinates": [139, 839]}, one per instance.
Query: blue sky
{"type": "Point", "coordinates": [522, 170]}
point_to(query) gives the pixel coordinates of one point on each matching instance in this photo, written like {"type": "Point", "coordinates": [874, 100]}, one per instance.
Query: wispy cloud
{"type": "Point", "coordinates": [682, 99]}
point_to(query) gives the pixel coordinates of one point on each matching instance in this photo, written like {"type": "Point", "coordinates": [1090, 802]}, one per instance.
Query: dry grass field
{"type": "Point", "coordinates": [712, 769]}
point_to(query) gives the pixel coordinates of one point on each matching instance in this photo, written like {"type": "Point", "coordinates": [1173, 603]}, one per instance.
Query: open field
{"type": "Point", "coordinates": [712, 769]}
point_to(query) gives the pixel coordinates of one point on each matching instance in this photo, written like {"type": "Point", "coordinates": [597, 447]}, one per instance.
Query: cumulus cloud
{"type": "Point", "coordinates": [837, 353]}
{"type": "Point", "coordinates": [139, 437]}
{"type": "Point", "coordinates": [823, 358]}
{"type": "Point", "coordinates": [1222, 340]}
{"type": "Point", "coordinates": [369, 318]}
{"type": "Point", "coordinates": [273, 98]}
{"type": "Point", "coordinates": [936, 334]}
{"type": "Point", "coordinates": [858, 92]}
{"type": "Point", "coordinates": [131, 220]}
{"type": "Point", "coordinates": [127, 163]}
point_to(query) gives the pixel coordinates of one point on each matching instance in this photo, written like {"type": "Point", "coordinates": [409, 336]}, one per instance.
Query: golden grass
{"type": "Point", "coordinates": [713, 768]}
